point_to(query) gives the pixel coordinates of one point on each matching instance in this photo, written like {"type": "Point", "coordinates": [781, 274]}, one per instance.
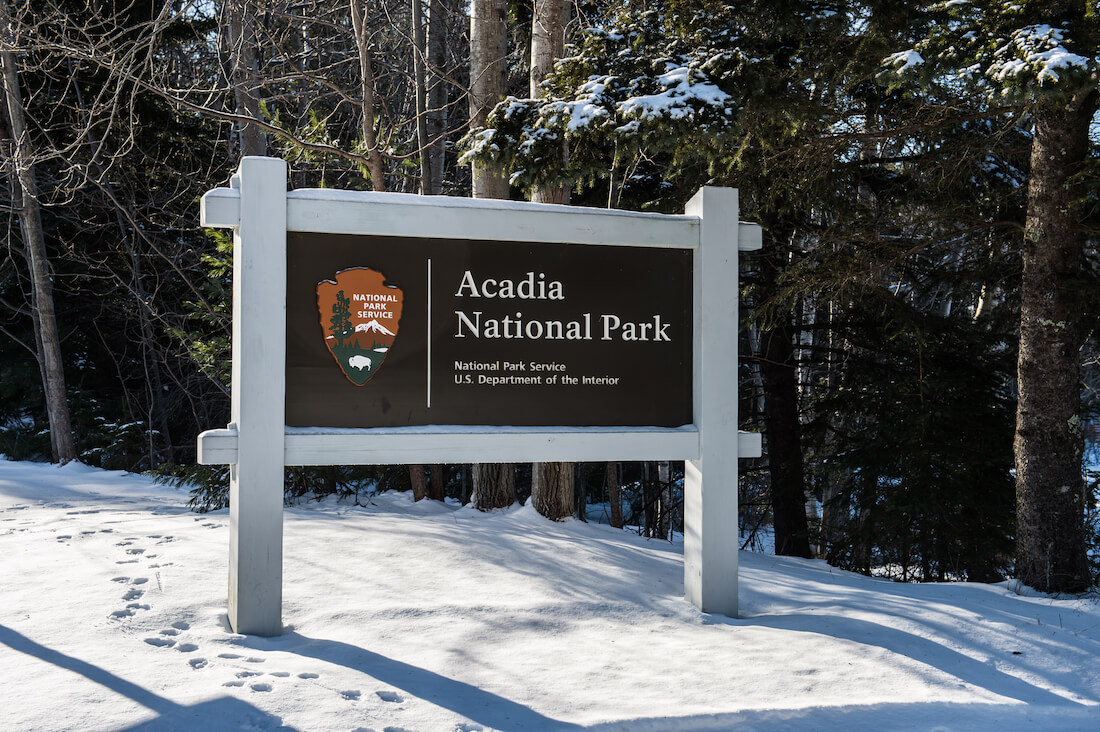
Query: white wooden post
{"type": "Point", "coordinates": [710, 483]}
{"type": "Point", "coordinates": [259, 362]}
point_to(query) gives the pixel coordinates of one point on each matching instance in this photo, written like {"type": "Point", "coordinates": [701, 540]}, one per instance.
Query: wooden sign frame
{"type": "Point", "coordinates": [257, 444]}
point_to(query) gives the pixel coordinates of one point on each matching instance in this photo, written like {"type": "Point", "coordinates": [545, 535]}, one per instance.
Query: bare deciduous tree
{"type": "Point", "coordinates": [22, 173]}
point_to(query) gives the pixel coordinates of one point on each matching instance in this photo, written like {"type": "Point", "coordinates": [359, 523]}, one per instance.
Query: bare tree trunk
{"type": "Point", "coordinates": [488, 83]}
{"type": "Point", "coordinates": [419, 482]}
{"type": "Point", "coordinates": [555, 480]}
{"type": "Point", "coordinates": [245, 73]}
{"type": "Point", "coordinates": [420, 78]}
{"type": "Point", "coordinates": [613, 495]}
{"type": "Point", "coordinates": [551, 17]}
{"type": "Point", "coordinates": [552, 489]}
{"type": "Point", "coordinates": [1050, 492]}
{"type": "Point", "coordinates": [366, 79]}
{"type": "Point", "coordinates": [651, 499]}
{"type": "Point", "coordinates": [34, 243]}
{"type": "Point", "coordinates": [437, 91]}
{"type": "Point", "coordinates": [494, 486]}
{"type": "Point", "coordinates": [664, 509]}
{"type": "Point", "coordinates": [436, 489]}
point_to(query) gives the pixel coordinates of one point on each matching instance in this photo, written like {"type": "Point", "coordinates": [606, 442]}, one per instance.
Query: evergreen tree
{"type": "Point", "coordinates": [855, 184]}
{"type": "Point", "coordinates": [1040, 56]}
{"type": "Point", "coordinates": [340, 322]}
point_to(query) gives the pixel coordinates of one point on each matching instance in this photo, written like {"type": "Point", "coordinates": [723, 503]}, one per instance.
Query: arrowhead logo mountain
{"type": "Point", "coordinates": [359, 315]}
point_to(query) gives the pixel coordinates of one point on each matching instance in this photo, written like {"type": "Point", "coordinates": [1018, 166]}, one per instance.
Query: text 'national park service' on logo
{"type": "Point", "coordinates": [360, 315]}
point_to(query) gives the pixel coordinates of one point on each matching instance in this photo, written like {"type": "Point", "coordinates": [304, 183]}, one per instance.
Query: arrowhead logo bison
{"type": "Point", "coordinates": [359, 316]}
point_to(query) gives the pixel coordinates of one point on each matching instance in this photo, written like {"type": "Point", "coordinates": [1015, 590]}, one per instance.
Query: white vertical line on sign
{"type": "Point", "coordinates": [429, 333]}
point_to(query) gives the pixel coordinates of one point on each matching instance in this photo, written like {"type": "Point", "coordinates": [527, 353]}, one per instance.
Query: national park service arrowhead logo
{"type": "Point", "coordinates": [360, 315]}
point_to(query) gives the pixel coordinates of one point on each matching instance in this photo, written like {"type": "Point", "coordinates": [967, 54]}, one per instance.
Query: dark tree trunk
{"type": "Point", "coordinates": [552, 489]}
{"type": "Point", "coordinates": [613, 495]}
{"type": "Point", "coordinates": [494, 485]}
{"type": "Point", "coordinates": [651, 497]}
{"type": "Point", "coordinates": [436, 490]}
{"type": "Point", "coordinates": [1050, 492]}
{"type": "Point", "coordinates": [777, 371]}
{"type": "Point", "coordinates": [419, 482]}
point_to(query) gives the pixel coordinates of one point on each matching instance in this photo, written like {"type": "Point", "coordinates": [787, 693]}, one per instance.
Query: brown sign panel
{"type": "Point", "coordinates": [485, 333]}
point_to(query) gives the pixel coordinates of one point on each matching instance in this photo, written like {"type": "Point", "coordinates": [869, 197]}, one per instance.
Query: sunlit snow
{"type": "Point", "coordinates": [428, 616]}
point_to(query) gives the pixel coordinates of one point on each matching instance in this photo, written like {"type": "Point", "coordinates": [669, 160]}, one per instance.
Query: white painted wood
{"type": "Point", "coordinates": [749, 444]}
{"type": "Point", "coordinates": [750, 237]}
{"type": "Point", "coordinates": [259, 363]}
{"type": "Point", "coordinates": [218, 447]}
{"type": "Point", "coordinates": [414, 445]}
{"type": "Point", "coordinates": [443, 217]}
{"type": "Point", "coordinates": [220, 208]}
{"type": "Point", "coordinates": [329, 211]}
{"type": "Point", "coordinates": [710, 482]}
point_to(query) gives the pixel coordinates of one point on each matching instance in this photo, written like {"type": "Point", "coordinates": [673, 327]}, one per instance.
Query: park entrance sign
{"type": "Point", "coordinates": [489, 333]}
{"type": "Point", "coordinates": [385, 328]}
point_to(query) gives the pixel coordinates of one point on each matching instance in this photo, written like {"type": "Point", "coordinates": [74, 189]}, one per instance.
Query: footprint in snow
{"type": "Point", "coordinates": [160, 642]}
{"type": "Point", "coordinates": [280, 674]}
{"type": "Point", "coordinates": [390, 696]}
{"type": "Point", "coordinates": [140, 580]}
{"type": "Point", "coordinates": [309, 676]}
{"type": "Point", "coordinates": [135, 551]}
{"type": "Point", "coordinates": [180, 625]}
{"type": "Point", "coordinates": [198, 663]}
{"type": "Point", "coordinates": [133, 595]}
{"type": "Point", "coordinates": [260, 687]}
{"type": "Point", "coordinates": [187, 648]}
{"type": "Point", "coordinates": [233, 683]}
{"type": "Point", "coordinates": [351, 694]}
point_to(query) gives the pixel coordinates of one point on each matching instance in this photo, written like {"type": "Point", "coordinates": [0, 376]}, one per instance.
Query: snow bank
{"type": "Point", "coordinates": [425, 616]}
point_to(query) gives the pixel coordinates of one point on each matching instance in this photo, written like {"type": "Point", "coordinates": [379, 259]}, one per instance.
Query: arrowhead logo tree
{"type": "Point", "coordinates": [359, 315]}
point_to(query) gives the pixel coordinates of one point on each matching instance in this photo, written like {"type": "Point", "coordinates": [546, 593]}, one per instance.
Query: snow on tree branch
{"type": "Point", "coordinates": [1035, 51]}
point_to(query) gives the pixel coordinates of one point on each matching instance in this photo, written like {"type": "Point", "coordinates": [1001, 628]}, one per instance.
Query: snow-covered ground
{"type": "Point", "coordinates": [425, 617]}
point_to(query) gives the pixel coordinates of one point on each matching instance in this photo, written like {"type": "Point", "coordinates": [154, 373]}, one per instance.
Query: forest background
{"type": "Point", "coordinates": [919, 328]}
